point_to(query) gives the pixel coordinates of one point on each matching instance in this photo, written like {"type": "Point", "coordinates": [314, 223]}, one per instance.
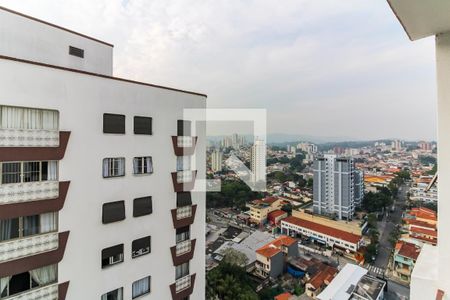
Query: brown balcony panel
{"type": "Point", "coordinates": [62, 290]}
{"type": "Point", "coordinates": [25, 264]}
{"type": "Point", "coordinates": [183, 151]}
{"type": "Point", "coordinates": [178, 260]}
{"type": "Point", "coordinates": [183, 187]}
{"type": "Point", "coordinates": [36, 153]}
{"type": "Point", "coordinates": [23, 209]}
{"type": "Point", "coordinates": [184, 293]}
{"type": "Point", "coordinates": [183, 222]}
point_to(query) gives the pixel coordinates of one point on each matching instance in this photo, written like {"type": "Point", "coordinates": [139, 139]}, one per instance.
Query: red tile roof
{"type": "Point", "coordinates": [322, 277]}
{"type": "Point", "coordinates": [407, 249]}
{"type": "Point", "coordinates": [284, 296]}
{"type": "Point", "coordinates": [273, 247]}
{"type": "Point", "coordinates": [414, 222]}
{"type": "Point", "coordinates": [330, 231]}
{"type": "Point", "coordinates": [276, 213]}
{"type": "Point", "coordinates": [423, 231]}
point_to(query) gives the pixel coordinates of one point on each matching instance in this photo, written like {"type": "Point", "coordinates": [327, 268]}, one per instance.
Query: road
{"type": "Point", "coordinates": [386, 226]}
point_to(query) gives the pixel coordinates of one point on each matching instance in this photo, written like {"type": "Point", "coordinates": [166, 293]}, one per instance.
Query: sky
{"type": "Point", "coordinates": [327, 68]}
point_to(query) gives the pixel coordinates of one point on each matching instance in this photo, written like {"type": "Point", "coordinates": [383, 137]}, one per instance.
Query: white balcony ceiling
{"type": "Point", "coordinates": [422, 18]}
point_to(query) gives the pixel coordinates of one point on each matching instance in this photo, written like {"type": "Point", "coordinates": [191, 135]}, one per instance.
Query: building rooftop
{"type": "Point", "coordinates": [273, 247]}
{"type": "Point", "coordinates": [408, 250]}
{"type": "Point", "coordinates": [343, 285]}
{"type": "Point", "coordinates": [340, 234]}
{"type": "Point", "coordinates": [368, 286]}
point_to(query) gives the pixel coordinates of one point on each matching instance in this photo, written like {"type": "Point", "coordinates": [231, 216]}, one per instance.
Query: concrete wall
{"type": "Point", "coordinates": [443, 78]}
{"type": "Point", "coordinates": [276, 265]}
{"type": "Point", "coordinates": [24, 38]}
{"type": "Point", "coordinates": [81, 101]}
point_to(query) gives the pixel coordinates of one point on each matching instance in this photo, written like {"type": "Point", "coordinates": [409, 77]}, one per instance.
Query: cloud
{"type": "Point", "coordinates": [329, 68]}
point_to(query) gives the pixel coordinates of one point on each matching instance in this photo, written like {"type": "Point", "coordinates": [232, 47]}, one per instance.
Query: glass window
{"type": "Point", "coordinates": [27, 226]}
{"type": "Point", "coordinates": [28, 118]}
{"type": "Point", "coordinates": [183, 163]}
{"type": "Point", "coordinates": [140, 246]}
{"type": "Point", "coordinates": [113, 212]}
{"type": "Point", "coordinates": [112, 255]}
{"type": "Point", "coordinates": [11, 172]}
{"type": "Point", "coordinates": [143, 125]}
{"type": "Point", "coordinates": [182, 270]}
{"type": "Point", "coordinates": [141, 287]}
{"type": "Point", "coordinates": [142, 206]}
{"type": "Point", "coordinates": [113, 295]}
{"type": "Point", "coordinates": [183, 128]}
{"type": "Point", "coordinates": [114, 167]}
{"type": "Point", "coordinates": [113, 123]}
{"type": "Point", "coordinates": [31, 171]}
{"type": "Point", "coordinates": [143, 165]}
{"type": "Point", "coordinates": [183, 234]}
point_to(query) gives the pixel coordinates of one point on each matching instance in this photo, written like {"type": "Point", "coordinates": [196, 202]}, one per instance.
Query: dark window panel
{"type": "Point", "coordinates": [184, 199]}
{"type": "Point", "coordinates": [141, 246]}
{"type": "Point", "coordinates": [143, 125]}
{"type": "Point", "coordinates": [113, 123]}
{"type": "Point", "coordinates": [76, 51]}
{"type": "Point", "coordinates": [183, 128]}
{"type": "Point", "coordinates": [113, 212]}
{"type": "Point", "coordinates": [112, 255]}
{"type": "Point", "coordinates": [142, 206]}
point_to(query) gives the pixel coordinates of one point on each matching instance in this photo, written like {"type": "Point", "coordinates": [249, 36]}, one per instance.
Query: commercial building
{"type": "Point", "coordinates": [323, 234]}
{"type": "Point", "coordinates": [216, 160]}
{"type": "Point", "coordinates": [334, 184]}
{"type": "Point", "coordinates": [271, 258]}
{"type": "Point", "coordinates": [96, 174]}
{"type": "Point", "coordinates": [430, 278]}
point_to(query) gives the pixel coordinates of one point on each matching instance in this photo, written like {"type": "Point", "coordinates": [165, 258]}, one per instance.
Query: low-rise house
{"type": "Point", "coordinates": [271, 258]}
{"type": "Point", "coordinates": [405, 256]}
{"type": "Point", "coordinates": [335, 238]}
{"type": "Point", "coordinates": [320, 280]}
{"type": "Point", "coordinates": [353, 283]}
{"type": "Point", "coordinates": [259, 209]}
{"type": "Point", "coordinates": [276, 216]}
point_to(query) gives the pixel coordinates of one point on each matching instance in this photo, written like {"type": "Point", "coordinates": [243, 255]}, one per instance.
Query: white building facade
{"type": "Point", "coordinates": [95, 202]}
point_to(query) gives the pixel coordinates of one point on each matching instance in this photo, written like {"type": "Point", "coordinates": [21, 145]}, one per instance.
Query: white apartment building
{"type": "Point", "coordinates": [216, 160]}
{"type": "Point", "coordinates": [419, 192]}
{"type": "Point", "coordinates": [96, 197]}
{"type": "Point", "coordinates": [430, 278]}
{"type": "Point", "coordinates": [258, 161]}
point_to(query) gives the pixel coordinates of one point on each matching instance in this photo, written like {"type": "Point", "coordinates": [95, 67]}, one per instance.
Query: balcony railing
{"type": "Point", "coordinates": [184, 176]}
{"type": "Point", "coordinates": [184, 212]}
{"type": "Point", "coordinates": [183, 283]}
{"type": "Point", "coordinates": [28, 138]}
{"type": "Point", "coordinates": [28, 191]}
{"type": "Point", "coordinates": [185, 141]}
{"type": "Point", "coordinates": [49, 292]}
{"type": "Point", "coordinates": [18, 248]}
{"type": "Point", "coordinates": [183, 247]}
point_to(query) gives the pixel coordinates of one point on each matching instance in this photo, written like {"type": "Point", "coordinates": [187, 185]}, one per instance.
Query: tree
{"type": "Point", "coordinates": [233, 257]}
{"type": "Point", "coordinates": [371, 252]}
{"type": "Point", "coordinates": [287, 208]}
{"type": "Point", "coordinates": [229, 282]}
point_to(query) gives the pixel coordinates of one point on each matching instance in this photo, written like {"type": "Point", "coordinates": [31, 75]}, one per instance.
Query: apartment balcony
{"type": "Point", "coordinates": [183, 181]}
{"type": "Point", "coordinates": [27, 207]}
{"type": "Point", "coordinates": [18, 248]}
{"type": "Point", "coordinates": [183, 252]}
{"type": "Point", "coordinates": [184, 145]}
{"type": "Point", "coordinates": [183, 216]}
{"type": "Point", "coordinates": [183, 287]}
{"type": "Point", "coordinates": [28, 191]}
{"type": "Point", "coordinates": [50, 292]}
{"type": "Point", "coordinates": [36, 152]}
{"type": "Point", "coordinates": [28, 138]}
{"type": "Point", "coordinates": [24, 264]}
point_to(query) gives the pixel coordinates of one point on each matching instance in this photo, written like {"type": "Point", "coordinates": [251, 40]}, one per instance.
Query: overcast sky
{"type": "Point", "coordinates": [323, 68]}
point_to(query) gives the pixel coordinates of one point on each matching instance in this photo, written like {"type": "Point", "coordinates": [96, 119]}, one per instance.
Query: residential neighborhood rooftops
{"type": "Point", "coordinates": [343, 285]}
